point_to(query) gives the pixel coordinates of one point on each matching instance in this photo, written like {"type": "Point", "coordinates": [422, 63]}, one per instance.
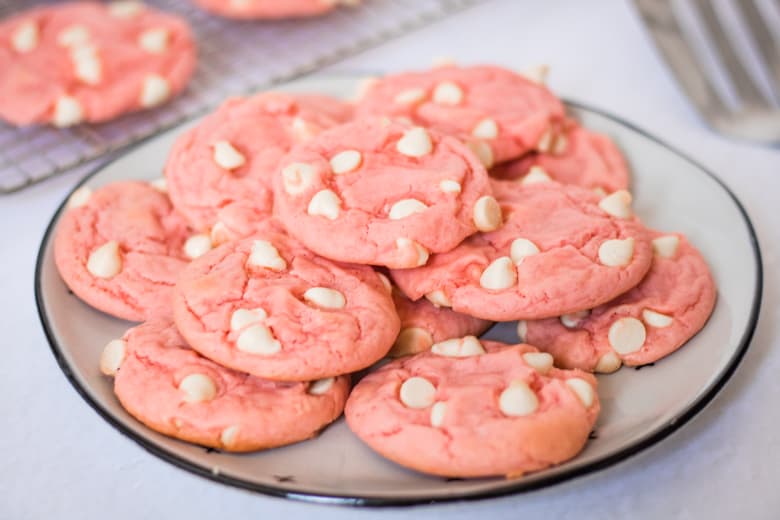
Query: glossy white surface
{"type": "Point", "coordinates": [62, 459]}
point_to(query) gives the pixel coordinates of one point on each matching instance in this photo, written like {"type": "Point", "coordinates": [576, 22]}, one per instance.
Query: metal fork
{"type": "Point", "coordinates": [755, 118]}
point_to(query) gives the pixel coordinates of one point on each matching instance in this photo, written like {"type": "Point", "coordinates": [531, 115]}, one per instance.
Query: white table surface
{"type": "Point", "coordinates": [59, 459]}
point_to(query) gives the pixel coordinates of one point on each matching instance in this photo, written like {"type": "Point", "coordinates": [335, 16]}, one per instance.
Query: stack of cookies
{"type": "Point", "coordinates": [298, 240]}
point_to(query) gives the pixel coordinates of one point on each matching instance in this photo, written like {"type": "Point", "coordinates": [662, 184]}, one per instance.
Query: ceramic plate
{"type": "Point", "coordinates": [639, 407]}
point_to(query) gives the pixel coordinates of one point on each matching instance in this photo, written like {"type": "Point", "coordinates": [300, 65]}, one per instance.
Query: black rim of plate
{"type": "Point", "coordinates": [367, 500]}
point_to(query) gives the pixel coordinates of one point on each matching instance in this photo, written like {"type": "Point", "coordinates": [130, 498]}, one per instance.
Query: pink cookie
{"type": "Point", "coordinates": [423, 324]}
{"type": "Point", "coordinates": [219, 172]}
{"type": "Point", "coordinates": [651, 321]}
{"type": "Point", "coordinates": [267, 306]}
{"type": "Point", "coordinates": [121, 248]}
{"type": "Point", "coordinates": [500, 113]}
{"type": "Point", "coordinates": [581, 157]}
{"type": "Point", "coordinates": [376, 192]}
{"type": "Point", "coordinates": [559, 251]}
{"type": "Point", "coordinates": [270, 9]}
{"type": "Point", "coordinates": [167, 386]}
{"type": "Point", "coordinates": [471, 409]}
{"type": "Point", "coordinates": [89, 62]}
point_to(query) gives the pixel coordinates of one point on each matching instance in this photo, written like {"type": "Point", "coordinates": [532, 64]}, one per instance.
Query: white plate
{"type": "Point", "coordinates": [639, 408]}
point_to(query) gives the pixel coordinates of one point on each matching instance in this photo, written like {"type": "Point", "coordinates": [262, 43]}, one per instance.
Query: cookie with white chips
{"type": "Point", "coordinates": [560, 250]}
{"type": "Point", "coordinates": [383, 193]}
{"type": "Point", "coordinates": [649, 322]}
{"type": "Point", "coordinates": [121, 247]}
{"type": "Point", "coordinates": [173, 390]}
{"type": "Point", "coordinates": [267, 306]}
{"type": "Point", "coordinates": [90, 62]}
{"type": "Point", "coordinates": [474, 409]}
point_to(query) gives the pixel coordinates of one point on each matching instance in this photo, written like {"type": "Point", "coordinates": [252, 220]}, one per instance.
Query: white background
{"type": "Point", "coordinates": [59, 459]}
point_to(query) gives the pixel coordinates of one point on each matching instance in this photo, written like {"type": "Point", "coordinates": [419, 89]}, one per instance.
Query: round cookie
{"type": "Point", "coordinates": [121, 248]}
{"type": "Point", "coordinates": [271, 9]}
{"type": "Point", "coordinates": [424, 323]}
{"type": "Point", "coordinates": [383, 193]}
{"type": "Point", "coordinates": [560, 250]}
{"type": "Point", "coordinates": [471, 409]}
{"type": "Point", "coordinates": [651, 321]}
{"type": "Point", "coordinates": [267, 306]}
{"type": "Point", "coordinates": [501, 114]}
{"type": "Point", "coordinates": [580, 157]}
{"type": "Point", "coordinates": [167, 386]}
{"type": "Point", "coordinates": [90, 62]}
{"type": "Point", "coordinates": [219, 172]}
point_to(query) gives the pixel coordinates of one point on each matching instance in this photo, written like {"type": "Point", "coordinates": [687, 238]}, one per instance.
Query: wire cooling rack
{"type": "Point", "coordinates": [234, 58]}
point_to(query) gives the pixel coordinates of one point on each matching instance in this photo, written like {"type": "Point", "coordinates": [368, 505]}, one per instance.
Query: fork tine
{"type": "Point", "coordinates": [767, 47]}
{"type": "Point", "coordinates": [665, 31]}
{"type": "Point", "coordinates": [744, 85]}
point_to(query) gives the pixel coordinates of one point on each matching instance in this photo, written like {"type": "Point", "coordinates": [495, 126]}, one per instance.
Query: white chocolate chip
{"type": "Point", "coordinates": [542, 362]}
{"type": "Point", "coordinates": [227, 157]}
{"type": "Point", "coordinates": [405, 207]}
{"type": "Point", "coordinates": [666, 246]}
{"type": "Point", "coordinates": [536, 74]}
{"type": "Point", "coordinates": [561, 145]}
{"type": "Point", "coordinates": [617, 204]}
{"type": "Point", "coordinates": [25, 38]}
{"type": "Point", "coordinates": [416, 142]}
{"type": "Point", "coordinates": [582, 389]}
{"type": "Point", "coordinates": [154, 41]}
{"type": "Point", "coordinates": [325, 203]}
{"type": "Point", "coordinates": [228, 436]}
{"type": "Point", "coordinates": [500, 274]}
{"type": "Point", "coordinates": [325, 297]}
{"type": "Point", "coordinates": [264, 254]}
{"type": "Point", "coordinates": [422, 253]}
{"type": "Point", "coordinates": [616, 252]}
{"type": "Point", "coordinates": [487, 214]}
{"type": "Point", "coordinates": [656, 319]}
{"type": "Point", "coordinates": [160, 184]}
{"type": "Point", "coordinates": [298, 177]}
{"type": "Point", "coordinates": [438, 411]}
{"type": "Point", "coordinates": [608, 363]}
{"type": "Point", "coordinates": [198, 388]}
{"type": "Point", "coordinates": [112, 356]}
{"type": "Point", "coordinates": [447, 93]}
{"type": "Point", "coordinates": [364, 86]}
{"type": "Point", "coordinates": [627, 335]}
{"type": "Point", "coordinates": [535, 175]}
{"type": "Point", "coordinates": [105, 261]}
{"type": "Point", "coordinates": [219, 233]}
{"type": "Point", "coordinates": [545, 144]}
{"type": "Point", "coordinates": [386, 282]}
{"type": "Point", "coordinates": [73, 35]}
{"type": "Point", "coordinates": [485, 129]}
{"type": "Point", "coordinates": [258, 339]}
{"type": "Point", "coordinates": [483, 151]}
{"type": "Point", "coordinates": [197, 245]}
{"type": "Point", "coordinates": [598, 190]}
{"type": "Point", "coordinates": [125, 8]}
{"type": "Point", "coordinates": [321, 386]}
{"type": "Point", "coordinates": [412, 340]}
{"type": "Point", "coordinates": [459, 347]}
{"type": "Point", "coordinates": [410, 96]}
{"type": "Point", "coordinates": [244, 317]}
{"type": "Point", "coordinates": [518, 400]}
{"type": "Point", "coordinates": [302, 129]}
{"type": "Point", "coordinates": [155, 91]}
{"type": "Point", "coordinates": [346, 161]}
{"type": "Point", "coordinates": [572, 320]}
{"type": "Point", "coordinates": [521, 248]}
{"type": "Point", "coordinates": [67, 112]}
{"type": "Point", "coordinates": [438, 298]}
{"type": "Point", "coordinates": [449, 186]}
{"type": "Point", "coordinates": [79, 197]}
{"type": "Point", "coordinates": [417, 392]}
{"type": "Point", "coordinates": [522, 330]}
{"type": "Point", "coordinates": [86, 63]}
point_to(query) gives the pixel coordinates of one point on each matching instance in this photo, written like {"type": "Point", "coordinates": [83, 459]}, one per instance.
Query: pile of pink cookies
{"type": "Point", "coordinates": [298, 239]}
